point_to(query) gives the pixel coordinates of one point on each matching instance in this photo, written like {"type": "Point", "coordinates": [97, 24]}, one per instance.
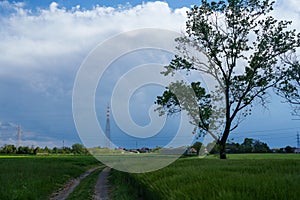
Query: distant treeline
{"type": "Point", "coordinates": [249, 145]}
{"type": "Point", "coordinates": [12, 149]}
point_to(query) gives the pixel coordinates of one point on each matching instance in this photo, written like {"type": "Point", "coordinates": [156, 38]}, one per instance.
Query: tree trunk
{"type": "Point", "coordinates": [222, 151]}
{"type": "Point", "coordinates": [228, 122]}
{"type": "Point", "coordinates": [198, 151]}
{"type": "Point", "coordinates": [223, 141]}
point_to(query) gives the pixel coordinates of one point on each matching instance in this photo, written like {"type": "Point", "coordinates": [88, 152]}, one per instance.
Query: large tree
{"type": "Point", "coordinates": [241, 47]}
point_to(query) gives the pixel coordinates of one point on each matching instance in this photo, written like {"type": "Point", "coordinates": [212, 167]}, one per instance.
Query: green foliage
{"type": "Point", "coordinates": [122, 186]}
{"type": "Point", "coordinates": [36, 150]}
{"type": "Point", "coordinates": [197, 146]}
{"type": "Point", "coordinates": [36, 177]}
{"type": "Point", "coordinates": [25, 150]}
{"type": "Point", "coordinates": [8, 149]}
{"type": "Point", "coordinates": [260, 147]}
{"type": "Point", "coordinates": [11, 149]}
{"type": "Point", "coordinates": [192, 98]}
{"type": "Point", "coordinates": [249, 145]}
{"type": "Point", "coordinates": [289, 87]}
{"type": "Point", "coordinates": [254, 146]}
{"type": "Point", "coordinates": [289, 149]}
{"type": "Point", "coordinates": [78, 149]}
{"type": "Point", "coordinates": [264, 178]}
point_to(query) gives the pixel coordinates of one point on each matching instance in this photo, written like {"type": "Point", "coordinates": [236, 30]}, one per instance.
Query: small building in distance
{"type": "Point", "coordinates": [297, 150]}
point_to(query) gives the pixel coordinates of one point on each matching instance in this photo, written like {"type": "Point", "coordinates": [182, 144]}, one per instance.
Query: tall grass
{"type": "Point", "coordinates": [33, 177]}
{"type": "Point", "coordinates": [122, 186]}
{"type": "Point", "coordinates": [240, 178]}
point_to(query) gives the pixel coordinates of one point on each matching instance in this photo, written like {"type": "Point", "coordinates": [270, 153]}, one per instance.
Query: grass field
{"type": "Point", "coordinates": [36, 177]}
{"type": "Point", "coordinates": [244, 176]}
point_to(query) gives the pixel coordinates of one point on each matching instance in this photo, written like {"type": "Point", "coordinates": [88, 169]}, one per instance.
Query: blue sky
{"type": "Point", "coordinates": [45, 42]}
{"type": "Point", "coordinates": [88, 4]}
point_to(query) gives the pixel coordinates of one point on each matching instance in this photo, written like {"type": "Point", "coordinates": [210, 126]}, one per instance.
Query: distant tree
{"type": "Point", "coordinates": [46, 150]}
{"type": "Point", "coordinates": [280, 150]}
{"type": "Point", "coordinates": [247, 145]}
{"type": "Point", "coordinates": [254, 146]}
{"type": "Point", "coordinates": [78, 148]}
{"type": "Point", "coordinates": [31, 149]}
{"type": "Point", "coordinates": [233, 147]}
{"type": "Point", "coordinates": [243, 45]}
{"type": "Point", "coordinates": [20, 150]}
{"type": "Point", "coordinates": [260, 147]}
{"type": "Point", "coordinates": [66, 150]}
{"type": "Point", "coordinates": [23, 150]}
{"type": "Point", "coordinates": [55, 150]}
{"type": "Point", "coordinates": [197, 146]}
{"type": "Point", "coordinates": [289, 149]}
{"type": "Point", "coordinates": [9, 149]}
{"type": "Point", "coordinates": [36, 150]}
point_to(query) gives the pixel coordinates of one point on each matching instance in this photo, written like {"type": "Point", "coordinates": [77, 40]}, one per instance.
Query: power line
{"type": "Point", "coordinates": [282, 134]}
{"type": "Point", "coordinates": [266, 130]}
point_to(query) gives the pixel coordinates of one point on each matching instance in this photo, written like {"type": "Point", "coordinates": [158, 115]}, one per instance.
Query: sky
{"type": "Point", "coordinates": [44, 44]}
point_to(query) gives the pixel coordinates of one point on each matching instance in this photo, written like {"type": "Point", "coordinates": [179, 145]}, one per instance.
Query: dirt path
{"type": "Point", "coordinates": [70, 186]}
{"type": "Point", "coordinates": [101, 187]}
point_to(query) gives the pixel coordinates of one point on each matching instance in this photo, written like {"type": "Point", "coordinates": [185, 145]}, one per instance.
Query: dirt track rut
{"type": "Point", "coordinates": [101, 187]}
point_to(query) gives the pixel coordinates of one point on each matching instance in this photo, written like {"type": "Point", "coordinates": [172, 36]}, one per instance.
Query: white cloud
{"type": "Point", "coordinates": [44, 39]}
{"type": "Point", "coordinates": [288, 5]}
{"type": "Point", "coordinates": [38, 44]}
{"type": "Point", "coordinates": [32, 40]}
{"type": "Point", "coordinates": [37, 40]}
{"type": "Point", "coordinates": [53, 7]}
{"type": "Point", "coordinates": [289, 10]}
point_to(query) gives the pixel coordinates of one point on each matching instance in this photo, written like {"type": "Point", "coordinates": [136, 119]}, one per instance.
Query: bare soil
{"type": "Point", "coordinates": [101, 187]}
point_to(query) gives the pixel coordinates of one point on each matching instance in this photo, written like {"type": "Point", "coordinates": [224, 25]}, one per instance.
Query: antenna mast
{"type": "Point", "coordinates": [107, 129]}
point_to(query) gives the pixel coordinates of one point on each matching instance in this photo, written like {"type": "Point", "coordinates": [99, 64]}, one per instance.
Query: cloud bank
{"type": "Point", "coordinates": [41, 51]}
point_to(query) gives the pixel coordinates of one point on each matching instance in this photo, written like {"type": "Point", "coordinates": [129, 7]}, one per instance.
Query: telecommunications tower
{"type": "Point", "coordinates": [107, 128]}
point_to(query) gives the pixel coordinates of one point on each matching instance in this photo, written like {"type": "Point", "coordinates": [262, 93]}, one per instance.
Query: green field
{"type": "Point", "coordinates": [242, 176]}
{"type": "Point", "coordinates": [36, 177]}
